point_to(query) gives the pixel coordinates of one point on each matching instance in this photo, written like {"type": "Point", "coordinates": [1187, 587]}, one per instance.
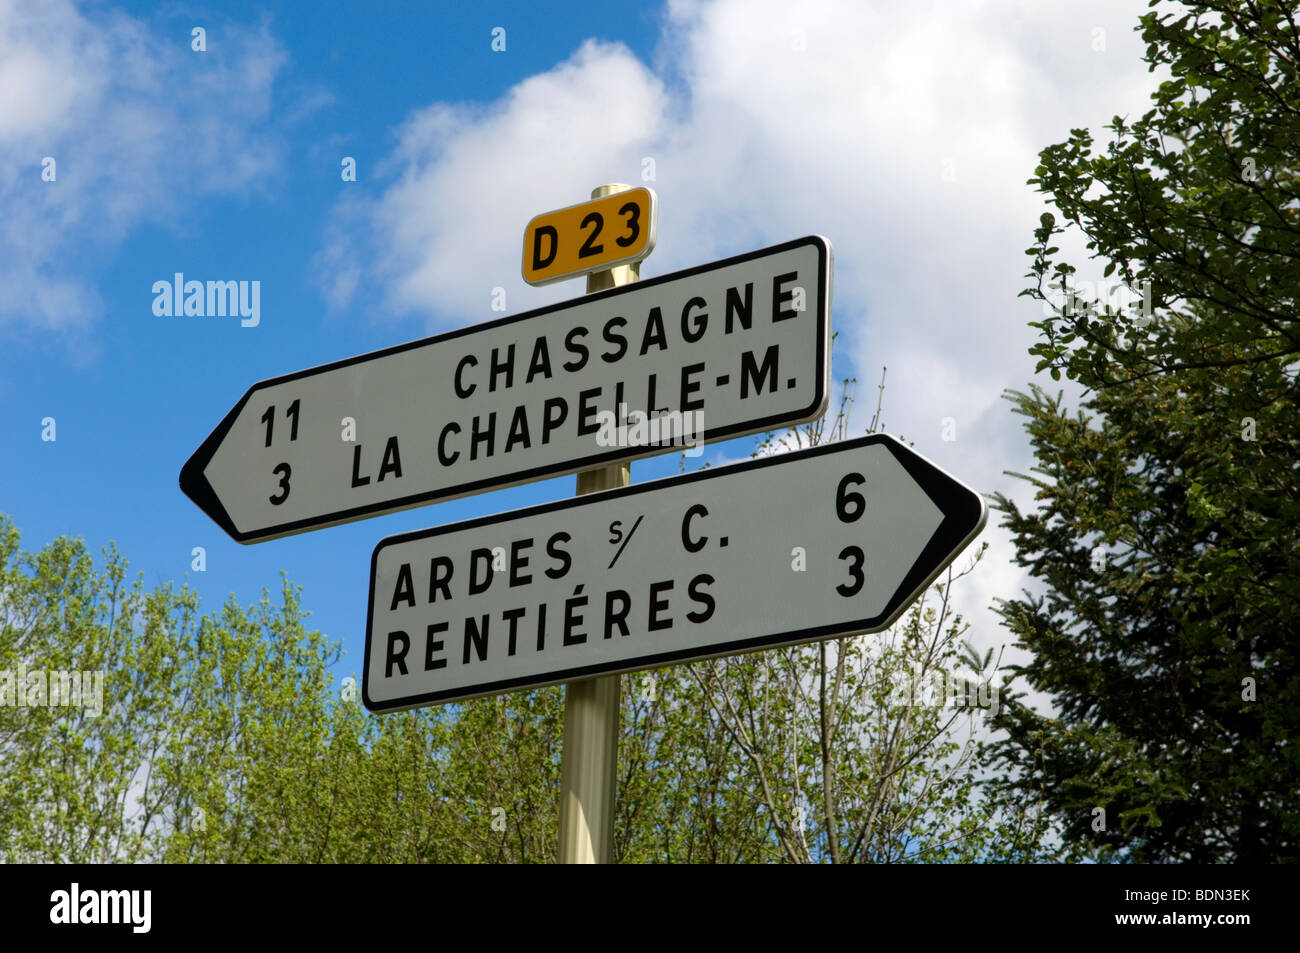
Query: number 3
{"type": "Point", "coordinates": [855, 554]}
{"type": "Point", "coordinates": [633, 213]}
{"type": "Point", "coordinates": [279, 498]}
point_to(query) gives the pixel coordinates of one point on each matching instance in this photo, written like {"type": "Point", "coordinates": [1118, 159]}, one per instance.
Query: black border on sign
{"type": "Point", "coordinates": [964, 515]}
{"type": "Point", "coordinates": [195, 485]}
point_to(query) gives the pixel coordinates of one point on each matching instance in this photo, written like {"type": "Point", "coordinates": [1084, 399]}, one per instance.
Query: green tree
{"type": "Point", "coordinates": [1165, 534]}
{"type": "Point", "coordinates": [222, 738]}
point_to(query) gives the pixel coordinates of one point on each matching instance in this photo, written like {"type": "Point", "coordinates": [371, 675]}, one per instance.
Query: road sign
{"type": "Point", "coordinates": [718, 351]}
{"type": "Point", "coordinates": [591, 236]}
{"type": "Point", "coordinates": [835, 540]}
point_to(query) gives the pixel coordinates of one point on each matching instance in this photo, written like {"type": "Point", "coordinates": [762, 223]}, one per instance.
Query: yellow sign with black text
{"type": "Point", "coordinates": [592, 236]}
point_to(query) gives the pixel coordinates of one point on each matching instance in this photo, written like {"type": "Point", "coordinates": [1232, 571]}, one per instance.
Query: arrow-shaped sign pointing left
{"type": "Point", "coordinates": [719, 351]}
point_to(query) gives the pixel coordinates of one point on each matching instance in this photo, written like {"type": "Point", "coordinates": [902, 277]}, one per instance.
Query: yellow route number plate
{"type": "Point", "coordinates": [593, 236]}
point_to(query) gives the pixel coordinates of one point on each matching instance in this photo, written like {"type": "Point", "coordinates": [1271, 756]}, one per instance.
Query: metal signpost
{"type": "Point", "coordinates": [831, 541]}
{"type": "Point", "coordinates": [589, 750]}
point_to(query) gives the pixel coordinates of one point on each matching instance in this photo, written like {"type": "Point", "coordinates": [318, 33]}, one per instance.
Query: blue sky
{"type": "Point", "coordinates": [903, 135]}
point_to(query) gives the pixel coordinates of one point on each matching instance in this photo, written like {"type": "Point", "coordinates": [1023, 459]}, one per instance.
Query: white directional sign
{"type": "Point", "coordinates": [830, 541]}
{"type": "Point", "coordinates": [718, 351]}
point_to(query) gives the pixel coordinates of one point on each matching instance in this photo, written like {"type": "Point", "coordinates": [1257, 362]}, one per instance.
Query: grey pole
{"type": "Point", "coordinates": [590, 755]}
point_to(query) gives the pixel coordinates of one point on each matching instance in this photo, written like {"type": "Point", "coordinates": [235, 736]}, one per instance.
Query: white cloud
{"type": "Point", "coordinates": [138, 125]}
{"type": "Point", "coordinates": [450, 226]}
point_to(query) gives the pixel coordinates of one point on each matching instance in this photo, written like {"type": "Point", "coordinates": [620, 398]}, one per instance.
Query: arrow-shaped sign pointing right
{"type": "Point", "coordinates": [831, 541]}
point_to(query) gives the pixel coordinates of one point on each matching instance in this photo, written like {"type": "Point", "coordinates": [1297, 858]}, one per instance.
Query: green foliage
{"type": "Point", "coordinates": [1173, 669]}
{"type": "Point", "coordinates": [1200, 197]}
{"type": "Point", "coordinates": [223, 740]}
